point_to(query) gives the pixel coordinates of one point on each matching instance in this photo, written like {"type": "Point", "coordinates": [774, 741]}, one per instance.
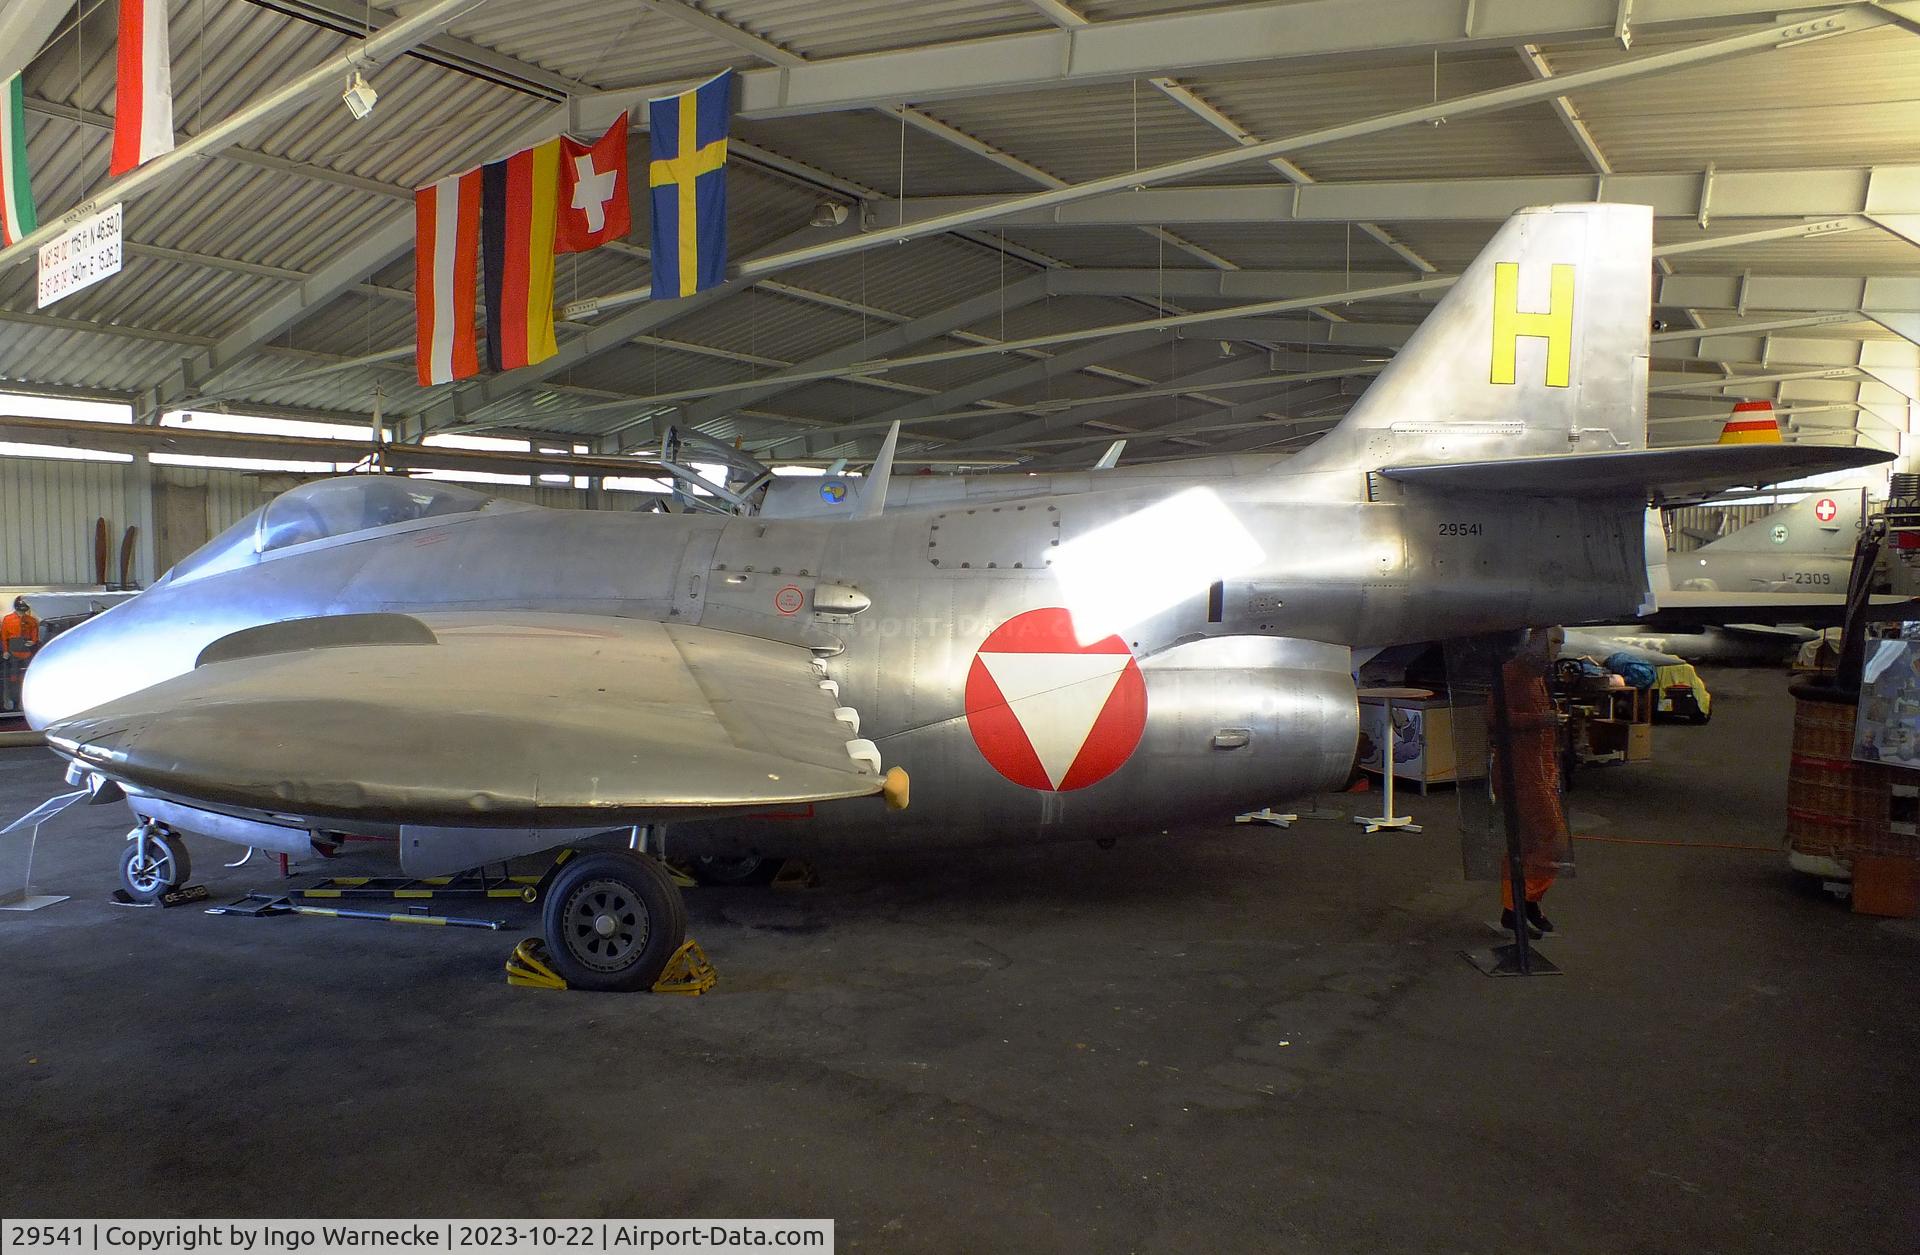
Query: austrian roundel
{"type": "Point", "coordinates": [1049, 712]}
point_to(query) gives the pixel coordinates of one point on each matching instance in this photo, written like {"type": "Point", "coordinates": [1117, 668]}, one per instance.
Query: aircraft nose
{"type": "Point", "coordinates": [62, 678]}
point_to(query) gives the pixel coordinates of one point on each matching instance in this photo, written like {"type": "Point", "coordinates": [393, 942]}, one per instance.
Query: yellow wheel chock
{"type": "Point", "coordinates": [687, 972]}
{"type": "Point", "coordinates": [528, 968]}
{"type": "Point", "coordinates": [796, 874]}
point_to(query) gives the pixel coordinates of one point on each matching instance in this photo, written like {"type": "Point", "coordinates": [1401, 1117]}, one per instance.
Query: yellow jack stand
{"type": "Point", "coordinates": [528, 967]}
{"type": "Point", "coordinates": [687, 972]}
{"type": "Point", "coordinates": [680, 875]}
{"type": "Point", "coordinates": [795, 874]}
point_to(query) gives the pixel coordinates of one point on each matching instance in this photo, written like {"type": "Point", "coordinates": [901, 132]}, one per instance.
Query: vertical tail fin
{"type": "Point", "coordinates": [1540, 348]}
{"type": "Point", "coordinates": [873, 489]}
{"type": "Point", "coordinates": [1824, 523]}
{"type": "Point", "coordinates": [1752, 423]}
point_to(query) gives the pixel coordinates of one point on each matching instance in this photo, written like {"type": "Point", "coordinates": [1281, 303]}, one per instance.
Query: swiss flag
{"type": "Point", "coordinates": [593, 191]}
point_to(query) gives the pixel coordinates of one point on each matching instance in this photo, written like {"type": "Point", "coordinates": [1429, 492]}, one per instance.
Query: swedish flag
{"type": "Point", "coordinates": [687, 179]}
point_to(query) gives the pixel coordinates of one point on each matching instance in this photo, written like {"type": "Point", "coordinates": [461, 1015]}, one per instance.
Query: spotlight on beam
{"type": "Point", "coordinates": [359, 96]}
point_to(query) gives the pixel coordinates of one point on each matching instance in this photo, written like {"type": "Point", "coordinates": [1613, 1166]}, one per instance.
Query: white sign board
{"type": "Point", "coordinates": [80, 256]}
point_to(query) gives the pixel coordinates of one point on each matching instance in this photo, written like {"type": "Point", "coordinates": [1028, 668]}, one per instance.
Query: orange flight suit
{"type": "Point", "coordinates": [1533, 730]}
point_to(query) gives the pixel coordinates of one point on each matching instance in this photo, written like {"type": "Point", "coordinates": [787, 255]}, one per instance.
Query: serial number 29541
{"type": "Point", "coordinates": [45, 1235]}
{"type": "Point", "coordinates": [1461, 529]}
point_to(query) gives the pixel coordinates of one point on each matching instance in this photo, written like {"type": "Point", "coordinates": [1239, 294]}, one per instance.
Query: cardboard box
{"type": "Point", "coordinates": [1885, 885]}
{"type": "Point", "coordinates": [1639, 742]}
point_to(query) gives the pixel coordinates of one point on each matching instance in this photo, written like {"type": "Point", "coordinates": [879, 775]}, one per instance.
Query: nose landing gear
{"type": "Point", "coordinates": [154, 864]}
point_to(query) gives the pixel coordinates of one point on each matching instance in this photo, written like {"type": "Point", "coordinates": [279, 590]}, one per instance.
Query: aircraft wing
{"type": "Point", "coordinates": [1756, 611]}
{"type": "Point", "coordinates": [1664, 476]}
{"type": "Point", "coordinates": [542, 721]}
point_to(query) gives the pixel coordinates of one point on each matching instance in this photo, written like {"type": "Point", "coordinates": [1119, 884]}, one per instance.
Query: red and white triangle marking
{"type": "Point", "coordinates": [1049, 713]}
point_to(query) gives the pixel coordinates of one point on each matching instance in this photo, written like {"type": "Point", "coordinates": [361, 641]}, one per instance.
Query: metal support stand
{"type": "Point", "coordinates": [1268, 815]}
{"type": "Point", "coordinates": [1517, 957]}
{"type": "Point", "coordinates": [1317, 811]}
{"type": "Point", "coordinates": [20, 896]}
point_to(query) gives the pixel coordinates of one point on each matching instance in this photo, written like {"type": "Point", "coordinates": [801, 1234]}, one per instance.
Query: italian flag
{"type": "Point", "coordinates": [143, 93]}
{"type": "Point", "coordinates": [16, 194]}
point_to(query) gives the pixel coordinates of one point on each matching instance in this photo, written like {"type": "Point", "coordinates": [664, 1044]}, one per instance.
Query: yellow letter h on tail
{"type": "Point", "coordinates": [1509, 323]}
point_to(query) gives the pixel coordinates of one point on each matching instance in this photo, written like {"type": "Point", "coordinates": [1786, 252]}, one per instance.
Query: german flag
{"type": "Point", "coordinates": [520, 195]}
{"type": "Point", "coordinates": [1752, 423]}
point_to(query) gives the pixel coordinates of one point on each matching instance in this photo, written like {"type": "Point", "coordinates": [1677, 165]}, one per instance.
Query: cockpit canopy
{"type": "Point", "coordinates": [326, 509]}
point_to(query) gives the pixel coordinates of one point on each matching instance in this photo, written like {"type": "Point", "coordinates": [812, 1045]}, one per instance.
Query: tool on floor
{"type": "Point", "coordinates": [256, 905]}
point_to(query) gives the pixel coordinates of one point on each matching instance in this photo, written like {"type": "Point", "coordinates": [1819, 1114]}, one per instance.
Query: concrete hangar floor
{"type": "Point", "coordinates": [1226, 1040]}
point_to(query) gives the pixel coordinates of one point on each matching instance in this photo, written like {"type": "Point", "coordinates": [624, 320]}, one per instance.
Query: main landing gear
{"type": "Point", "coordinates": [612, 920]}
{"type": "Point", "coordinates": [154, 864]}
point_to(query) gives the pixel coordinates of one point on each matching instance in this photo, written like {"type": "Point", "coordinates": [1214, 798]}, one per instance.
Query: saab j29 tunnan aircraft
{"type": "Point", "coordinates": [482, 679]}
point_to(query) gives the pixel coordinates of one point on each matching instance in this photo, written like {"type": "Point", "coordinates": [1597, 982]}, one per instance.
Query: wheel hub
{"type": "Point", "coordinates": [605, 925]}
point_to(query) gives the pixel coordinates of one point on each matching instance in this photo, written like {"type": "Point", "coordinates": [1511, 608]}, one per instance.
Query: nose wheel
{"type": "Point", "coordinates": [154, 864]}
{"type": "Point", "coordinates": [612, 920]}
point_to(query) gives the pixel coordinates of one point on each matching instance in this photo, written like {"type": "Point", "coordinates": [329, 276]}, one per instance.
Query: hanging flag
{"type": "Point", "coordinates": [16, 193]}
{"type": "Point", "coordinates": [593, 191]}
{"type": "Point", "coordinates": [446, 256]}
{"type": "Point", "coordinates": [522, 195]}
{"type": "Point", "coordinates": [688, 179]}
{"type": "Point", "coordinates": [143, 93]}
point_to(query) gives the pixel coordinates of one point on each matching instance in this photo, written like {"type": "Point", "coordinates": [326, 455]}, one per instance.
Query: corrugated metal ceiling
{"type": "Point", "coordinates": [309, 184]}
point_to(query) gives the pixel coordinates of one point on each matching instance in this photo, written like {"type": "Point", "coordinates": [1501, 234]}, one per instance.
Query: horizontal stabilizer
{"type": "Point", "coordinates": [1679, 610]}
{"type": "Point", "coordinates": [1662, 476]}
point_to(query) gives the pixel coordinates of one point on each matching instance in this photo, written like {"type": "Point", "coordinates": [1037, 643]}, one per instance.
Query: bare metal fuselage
{"type": "Point", "coordinates": [1242, 638]}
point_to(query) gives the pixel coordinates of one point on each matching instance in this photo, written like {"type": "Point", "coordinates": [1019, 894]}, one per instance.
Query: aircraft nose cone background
{"type": "Point", "coordinates": [48, 692]}
{"type": "Point", "coordinates": [79, 669]}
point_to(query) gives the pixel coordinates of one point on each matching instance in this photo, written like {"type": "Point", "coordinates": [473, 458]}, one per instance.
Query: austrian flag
{"type": "Point", "coordinates": [143, 92]}
{"type": "Point", "coordinates": [446, 217]}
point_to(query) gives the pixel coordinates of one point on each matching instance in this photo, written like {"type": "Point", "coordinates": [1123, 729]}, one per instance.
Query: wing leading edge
{"type": "Point", "coordinates": [544, 721]}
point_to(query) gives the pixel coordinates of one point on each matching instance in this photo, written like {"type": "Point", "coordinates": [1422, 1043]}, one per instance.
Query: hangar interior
{"type": "Point", "coordinates": [1227, 1037]}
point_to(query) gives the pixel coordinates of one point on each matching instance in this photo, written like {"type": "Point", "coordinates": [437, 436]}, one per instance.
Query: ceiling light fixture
{"type": "Point", "coordinates": [359, 96]}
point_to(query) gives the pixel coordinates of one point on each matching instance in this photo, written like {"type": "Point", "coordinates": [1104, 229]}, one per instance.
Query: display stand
{"type": "Point", "coordinates": [1268, 815]}
{"type": "Point", "coordinates": [1401, 823]}
{"type": "Point", "coordinates": [16, 871]}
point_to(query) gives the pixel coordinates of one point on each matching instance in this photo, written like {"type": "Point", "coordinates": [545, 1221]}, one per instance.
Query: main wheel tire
{"type": "Point", "coordinates": [165, 868]}
{"type": "Point", "coordinates": [747, 869]}
{"type": "Point", "coordinates": [613, 919]}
